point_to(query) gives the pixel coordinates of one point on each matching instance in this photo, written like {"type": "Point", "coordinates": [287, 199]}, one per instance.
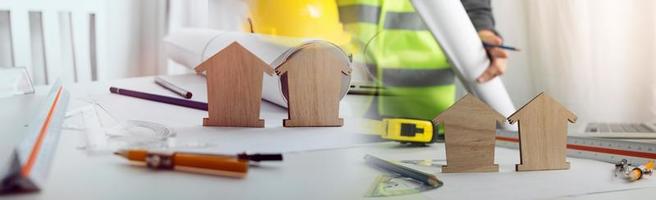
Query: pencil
{"type": "Point", "coordinates": [201, 163]}
{"type": "Point", "coordinates": [486, 45]}
{"type": "Point", "coordinates": [173, 88]}
{"type": "Point", "coordinates": [428, 179]}
{"type": "Point", "coordinates": [160, 98]}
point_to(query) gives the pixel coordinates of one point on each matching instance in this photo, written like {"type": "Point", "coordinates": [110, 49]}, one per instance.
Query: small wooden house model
{"type": "Point", "coordinates": [313, 76]}
{"type": "Point", "coordinates": [542, 134]}
{"type": "Point", "coordinates": [234, 87]}
{"type": "Point", "coordinates": [470, 135]}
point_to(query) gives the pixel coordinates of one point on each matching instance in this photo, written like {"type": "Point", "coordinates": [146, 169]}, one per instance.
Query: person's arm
{"type": "Point", "coordinates": [480, 13]}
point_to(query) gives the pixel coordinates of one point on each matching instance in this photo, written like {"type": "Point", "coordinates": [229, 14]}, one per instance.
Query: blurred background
{"type": "Point", "coordinates": [587, 53]}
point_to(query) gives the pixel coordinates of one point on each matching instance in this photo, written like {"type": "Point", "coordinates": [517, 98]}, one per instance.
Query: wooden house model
{"type": "Point", "coordinates": [542, 134]}
{"type": "Point", "coordinates": [470, 135]}
{"type": "Point", "coordinates": [312, 77]}
{"type": "Point", "coordinates": [234, 92]}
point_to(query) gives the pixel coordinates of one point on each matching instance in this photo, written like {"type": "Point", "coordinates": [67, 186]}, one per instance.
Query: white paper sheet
{"type": "Point", "coordinates": [192, 136]}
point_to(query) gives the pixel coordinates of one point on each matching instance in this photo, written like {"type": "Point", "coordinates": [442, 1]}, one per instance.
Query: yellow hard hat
{"type": "Point", "coordinates": [298, 18]}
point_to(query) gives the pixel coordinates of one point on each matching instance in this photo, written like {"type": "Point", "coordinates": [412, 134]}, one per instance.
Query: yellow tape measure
{"type": "Point", "coordinates": [404, 130]}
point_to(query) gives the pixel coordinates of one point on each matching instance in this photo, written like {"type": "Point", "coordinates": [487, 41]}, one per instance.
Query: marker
{"type": "Point", "coordinates": [173, 88]}
{"type": "Point", "coordinates": [160, 98]}
{"type": "Point", "coordinates": [486, 45]}
{"type": "Point", "coordinates": [428, 179]}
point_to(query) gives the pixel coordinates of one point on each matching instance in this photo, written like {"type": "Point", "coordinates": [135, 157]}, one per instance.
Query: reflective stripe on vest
{"type": "Point", "coordinates": [359, 13]}
{"type": "Point", "coordinates": [371, 14]}
{"type": "Point", "coordinates": [404, 20]}
{"type": "Point", "coordinates": [417, 78]}
{"type": "Point", "coordinates": [399, 77]}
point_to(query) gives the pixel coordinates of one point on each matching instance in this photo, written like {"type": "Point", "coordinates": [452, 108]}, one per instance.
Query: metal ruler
{"type": "Point", "coordinates": [32, 157]}
{"type": "Point", "coordinates": [607, 150]}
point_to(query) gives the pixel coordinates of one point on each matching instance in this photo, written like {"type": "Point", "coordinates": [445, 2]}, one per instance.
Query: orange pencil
{"type": "Point", "coordinates": [224, 165]}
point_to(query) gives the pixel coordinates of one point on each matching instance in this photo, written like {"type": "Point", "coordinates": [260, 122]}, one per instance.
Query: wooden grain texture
{"type": "Point", "coordinates": [234, 87]}
{"type": "Point", "coordinates": [542, 134]}
{"type": "Point", "coordinates": [313, 76]}
{"type": "Point", "coordinates": [470, 132]}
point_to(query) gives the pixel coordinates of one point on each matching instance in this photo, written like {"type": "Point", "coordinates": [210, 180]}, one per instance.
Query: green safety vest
{"type": "Point", "coordinates": [403, 55]}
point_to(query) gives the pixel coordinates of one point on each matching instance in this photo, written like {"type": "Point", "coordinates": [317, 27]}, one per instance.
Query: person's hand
{"type": "Point", "coordinates": [498, 56]}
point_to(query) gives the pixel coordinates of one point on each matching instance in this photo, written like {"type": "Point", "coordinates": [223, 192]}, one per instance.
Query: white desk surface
{"type": "Point", "coordinates": [326, 173]}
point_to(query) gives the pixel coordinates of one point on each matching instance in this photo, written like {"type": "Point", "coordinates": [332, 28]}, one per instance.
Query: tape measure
{"type": "Point", "coordinates": [403, 130]}
{"type": "Point", "coordinates": [605, 150]}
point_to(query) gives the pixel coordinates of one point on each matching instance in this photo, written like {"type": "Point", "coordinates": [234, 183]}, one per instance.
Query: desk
{"type": "Point", "coordinates": [324, 173]}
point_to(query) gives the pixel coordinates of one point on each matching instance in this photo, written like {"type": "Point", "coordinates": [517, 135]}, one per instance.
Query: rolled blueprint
{"type": "Point", "coordinates": [452, 28]}
{"type": "Point", "coordinates": [191, 47]}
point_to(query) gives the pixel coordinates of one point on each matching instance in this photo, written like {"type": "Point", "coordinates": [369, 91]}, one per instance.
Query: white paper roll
{"type": "Point", "coordinates": [452, 28]}
{"type": "Point", "coordinates": [191, 47]}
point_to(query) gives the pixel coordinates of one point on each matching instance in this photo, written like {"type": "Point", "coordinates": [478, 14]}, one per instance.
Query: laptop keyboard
{"type": "Point", "coordinates": [618, 128]}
